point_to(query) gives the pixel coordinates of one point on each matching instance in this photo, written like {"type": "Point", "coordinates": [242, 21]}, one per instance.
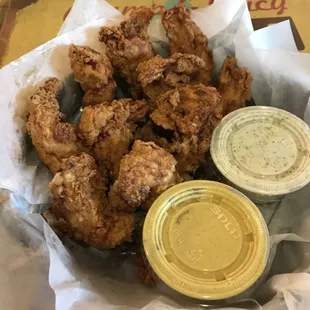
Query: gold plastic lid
{"type": "Point", "coordinates": [263, 150]}
{"type": "Point", "coordinates": [206, 240]}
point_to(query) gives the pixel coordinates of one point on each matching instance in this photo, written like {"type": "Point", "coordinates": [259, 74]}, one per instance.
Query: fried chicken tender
{"type": "Point", "coordinates": [109, 129]}
{"type": "Point", "coordinates": [191, 112]}
{"type": "Point", "coordinates": [187, 38]}
{"type": "Point", "coordinates": [235, 85]}
{"type": "Point", "coordinates": [145, 173]}
{"type": "Point", "coordinates": [94, 72]}
{"type": "Point", "coordinates": [53, 138]}
{"type": "Point", "coordinates": [78, 196]}
{"type": "Point", "coordinates": [158, 75]}
{"type": "Point", "coordinates": [128, 44]}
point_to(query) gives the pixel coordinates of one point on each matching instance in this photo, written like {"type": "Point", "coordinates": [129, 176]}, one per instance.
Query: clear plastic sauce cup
{"type": "Point", "coordinates": [206, 240]}
{"type": "Point", "coordinates": [262, 151]}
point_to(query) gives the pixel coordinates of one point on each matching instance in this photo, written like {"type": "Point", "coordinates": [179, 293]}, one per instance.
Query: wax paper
{"type": "Point", "coordinates": [40, 271]}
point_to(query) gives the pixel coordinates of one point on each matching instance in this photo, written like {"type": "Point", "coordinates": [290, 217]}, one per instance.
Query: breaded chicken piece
{"type": "Point", "coordinates": [78, 196]}
{"type": "Point", "coordinates": [191, 112]}
{"type": "Point", "coordinates": [235, 85]}
{"type": "Point", "coordinates": [128, 44]}
{"type": "Point", "coordinates": [145, 173]}
{"type": "Point", "coordinates": [109, 129]}
{"type": "Point", "coordinates": [94, 72]}
{"type": "Point", "coordinates": [53, 138]}
{"type": "Point", "coordinates": [158, 75]}
{"type": "Point", "coordinates": [187, 38]}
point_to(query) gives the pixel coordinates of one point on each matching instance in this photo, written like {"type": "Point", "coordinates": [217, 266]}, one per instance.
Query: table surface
{"type": "Point", "coordinates": [19, 18]}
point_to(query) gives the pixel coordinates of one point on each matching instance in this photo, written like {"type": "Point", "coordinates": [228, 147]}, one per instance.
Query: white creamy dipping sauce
{"type": "Point", "coordinates": [263, 151]}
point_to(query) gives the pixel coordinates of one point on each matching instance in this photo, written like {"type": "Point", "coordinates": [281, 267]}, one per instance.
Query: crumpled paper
{"type": "Point", "coordinates": [85, 278]}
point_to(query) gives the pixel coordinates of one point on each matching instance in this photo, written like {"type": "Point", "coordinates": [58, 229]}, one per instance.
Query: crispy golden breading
{"type": "Point", "coordinates": [118, 202]}
{"type": "Point", "coordinates": [158, 75]}
{"type": "Point", "coordinates": [186, 109]}
{"type": "Point", "coordinates": [148, 133]}
{"type": "Point", "coordinates": [187, 38]}
{"type": "Point", "coordinates": [190, 151]}
{"type": "Point", "coordinates": [123, 154]}
{"type": "Point", "coordinates": [90, 68]}
{"type": "Point", "coordinates": [128, 44]}
{"type": "Point", "coordinates": [78, 196]}
{"type": "Point", "coordinates": [191, 112]}
{"type": "Point", "coordinates": [109, 129]}
{"type": "Point", "coordinates": [96, 96]}
{"type": "Point", "coordinates": [94, 72]}
{"type": "Point", "coordinates": [53, 138]}
{"type": "Point", "coordinates": [235, 85]}
{"type": "Point", "coordinates": [144, 174]}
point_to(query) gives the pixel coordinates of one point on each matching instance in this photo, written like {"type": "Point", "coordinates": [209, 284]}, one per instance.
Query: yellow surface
{"type": "Point", "coordinates": [210, 237]}
{"type": "Point", "coordinates": [44, 18]}
{"type": "Point", "coordinates": [35, 25]}
{"type": "Point", "coordinates": [205, 240]}
{"type": "Point", "coordinates": [4, 2]}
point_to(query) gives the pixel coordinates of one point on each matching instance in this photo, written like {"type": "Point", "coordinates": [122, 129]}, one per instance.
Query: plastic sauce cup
{"type": "Point", "coordinates": [262, 151]}
{"type": "Point", "coordinates": [206, 240]}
